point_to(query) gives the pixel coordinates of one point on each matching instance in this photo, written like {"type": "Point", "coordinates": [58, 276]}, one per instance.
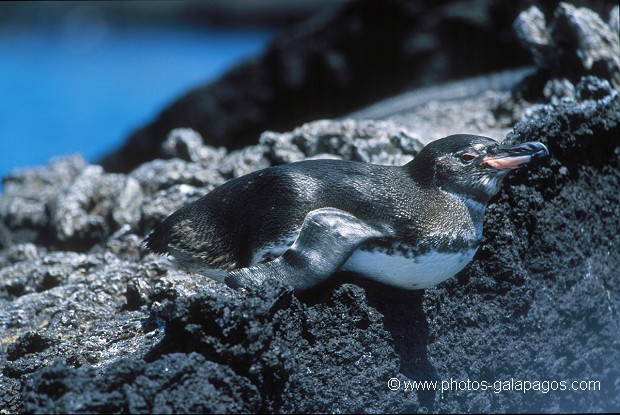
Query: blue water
{"type": "Point", "coordinates": [64, 90]}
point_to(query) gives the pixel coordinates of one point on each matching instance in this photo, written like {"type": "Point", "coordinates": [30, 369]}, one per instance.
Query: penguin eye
{"type": "Point", "coordinates": [467, 157]}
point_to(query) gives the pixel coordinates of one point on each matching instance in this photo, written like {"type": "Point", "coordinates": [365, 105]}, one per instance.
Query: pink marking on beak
{"type": "Point", "coordinates": [506, 162]}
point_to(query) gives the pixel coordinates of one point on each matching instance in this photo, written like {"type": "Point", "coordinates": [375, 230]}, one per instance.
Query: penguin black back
{"type": "Point", "coordinates": [267, 205]}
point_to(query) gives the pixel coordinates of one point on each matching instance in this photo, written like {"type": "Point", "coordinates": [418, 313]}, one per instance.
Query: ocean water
{"type": "Point", "coordinates": [67, 89]}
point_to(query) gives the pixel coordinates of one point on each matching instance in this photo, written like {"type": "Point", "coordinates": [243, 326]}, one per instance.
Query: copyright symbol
{"type": "Point", "coordinates": [394, 384]}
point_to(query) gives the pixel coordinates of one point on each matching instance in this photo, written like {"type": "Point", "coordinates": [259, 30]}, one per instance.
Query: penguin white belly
{"type": "Point", "coordinates": [420, 272]}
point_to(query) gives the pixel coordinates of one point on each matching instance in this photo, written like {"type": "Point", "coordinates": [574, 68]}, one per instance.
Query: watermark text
{"type": "Point", "coordinates": [497, 386]}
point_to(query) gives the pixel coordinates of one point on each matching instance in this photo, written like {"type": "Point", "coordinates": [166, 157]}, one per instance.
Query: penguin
{"type": "Point", "coordinates": [410, 226]}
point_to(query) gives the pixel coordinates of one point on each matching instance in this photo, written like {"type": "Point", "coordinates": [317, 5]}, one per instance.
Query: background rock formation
{"type": "Point", "coordinates": [344, 58]}
{"type": "Point", "coordinates": [88, 325]}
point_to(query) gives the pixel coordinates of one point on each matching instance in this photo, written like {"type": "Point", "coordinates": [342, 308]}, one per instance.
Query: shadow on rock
{"type": "Point", "coordinates": [301, 354]}
{"type": "Point", "coordinates": [405, 320]}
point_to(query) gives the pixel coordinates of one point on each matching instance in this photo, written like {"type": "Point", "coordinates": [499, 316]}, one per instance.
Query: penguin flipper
{"type": "Point", "coordinates": [327, 238]}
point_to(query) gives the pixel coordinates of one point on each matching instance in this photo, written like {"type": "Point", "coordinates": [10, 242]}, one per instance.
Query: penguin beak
{"type": "Point", "coordinates": [511, 157]}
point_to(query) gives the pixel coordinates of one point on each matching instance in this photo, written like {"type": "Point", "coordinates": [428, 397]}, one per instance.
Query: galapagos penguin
{"type": "Point", "coordinates": [410, 226]}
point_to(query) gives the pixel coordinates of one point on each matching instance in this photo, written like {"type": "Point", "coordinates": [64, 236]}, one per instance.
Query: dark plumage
{"type": "Point", "coordinates": [351, 215]}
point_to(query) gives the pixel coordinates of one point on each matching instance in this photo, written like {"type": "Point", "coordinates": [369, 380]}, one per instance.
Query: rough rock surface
{"type": "Point", "coordinates": [346, 57]}
{"type": "Point", "coordinates": [257, 353]}
{"type": "Point", "coordinates": [532, 306]}
{"type": "Point", "coordinates": [87, 324]}
{"type": "Point", "coordinates": [577, 42]}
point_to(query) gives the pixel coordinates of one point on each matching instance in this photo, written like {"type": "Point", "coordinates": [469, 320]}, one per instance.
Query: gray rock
{"type": "Point", "coordinates": [577, 42]}
{"type": "Point", "coordinates": [133, 386]}
{"type": "Point", "coordinates": [558, 88]}
{"type": "Point", "coordinates": [614, 19]}
{"type": "Point", "coordinates": [28, 193]}
{"type": "Point", "coordinates": [491, 114]}
{"type": "Point", "coordinates": [187, 144]}
{"type": "Point", "coordinates": [23, 252]}
{"type": "Point", "coordinates": [346, 57]}
{"type": "Point", "coordinates": [93, 206]}
{"type": "Point", "coordinates": [68, 202]}
{"type": "Point", "coordinates": [128, 201]}
{"type": "Point", "coordinates": [242, 162]}
{"type": "Point", "coordinates": [593, 88]}
{"type": "Point", "coordinates": [380, 142]}
{"type": "Point", "coordinates": [162, 174]}
{"type": "Point", "coordinates": [597, 45]}
{"type": "Point", "coordinates": [531, 29]}
{"type": "Point", "coordinates": [595, 107]}
{"type": "Point", "coordinates": [281, 150]}
{"type": "Point", "coordinates": [75, 308]}
{"type": "Point", "coordinates": [124, 244]}
{"type": "Point", "coordinates": [71, 214]}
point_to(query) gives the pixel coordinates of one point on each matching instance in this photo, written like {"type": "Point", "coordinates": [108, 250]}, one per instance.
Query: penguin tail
{"type": "Point", "coordinates": [157, 240]}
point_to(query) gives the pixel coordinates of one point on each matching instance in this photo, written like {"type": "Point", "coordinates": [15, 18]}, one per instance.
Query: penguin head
{"type": "Point", "coordinates": [470, 165]}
